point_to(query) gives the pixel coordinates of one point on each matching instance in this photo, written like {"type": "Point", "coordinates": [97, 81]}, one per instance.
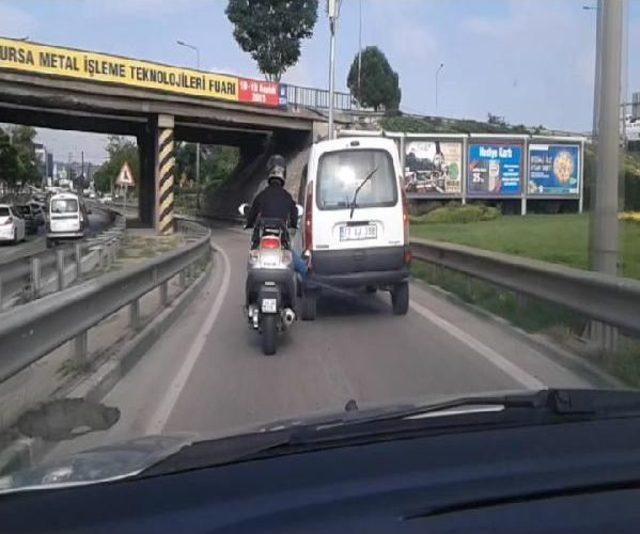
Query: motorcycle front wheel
{"type": "Point", "coordinates": [269, 333]}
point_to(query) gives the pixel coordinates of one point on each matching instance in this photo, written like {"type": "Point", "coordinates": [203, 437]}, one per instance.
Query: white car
{"type": "Point", "coordinates": [356, 221]}
{"type": "Point", "coordinates": [12, 227]}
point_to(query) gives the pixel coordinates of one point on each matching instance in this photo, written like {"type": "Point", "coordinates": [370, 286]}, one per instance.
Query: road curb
{"type": "Point", "coordinates": [20, 453]}
{"type": "Point", "coordinates": [570, 360]}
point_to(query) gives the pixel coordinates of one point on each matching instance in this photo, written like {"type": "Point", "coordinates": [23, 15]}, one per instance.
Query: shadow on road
{"type": "Point", "coordinates": [335, 302]}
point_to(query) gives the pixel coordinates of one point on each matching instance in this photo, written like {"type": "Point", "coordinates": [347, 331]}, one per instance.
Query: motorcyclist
{"type": "Point", "coordinates": [275, 202]}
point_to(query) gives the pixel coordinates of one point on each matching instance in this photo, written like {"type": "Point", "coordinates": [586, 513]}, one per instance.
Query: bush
{"type": "Point", "coordinates": [453, 213]}
{"type": "Point", "coordinates": [424, 206]}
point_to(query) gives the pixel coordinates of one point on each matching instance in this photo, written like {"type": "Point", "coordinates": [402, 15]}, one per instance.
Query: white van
{"type": "Point", "coordinates": [67, 218]}
{"type": "Point", "coordinates": [355, 222]}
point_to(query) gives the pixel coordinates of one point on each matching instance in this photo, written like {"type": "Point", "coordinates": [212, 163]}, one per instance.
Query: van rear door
{"type": "Point", "coordinates": [357, 200]}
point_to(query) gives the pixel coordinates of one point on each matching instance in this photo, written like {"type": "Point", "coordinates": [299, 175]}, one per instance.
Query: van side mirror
{"type": "Point", "coordinates": [243, 209]}
{"type": "Point", "coordinates": [300, 210]}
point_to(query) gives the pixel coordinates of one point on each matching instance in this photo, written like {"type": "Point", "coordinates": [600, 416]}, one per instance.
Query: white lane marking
{"type": "Point", "coordinates": [161, 416]}
{"type": "Point", "coordinates": [515, 372]}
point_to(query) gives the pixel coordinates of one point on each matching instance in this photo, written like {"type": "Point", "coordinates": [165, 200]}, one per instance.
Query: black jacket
{"type": "Point", "coordinates": [274, 202]}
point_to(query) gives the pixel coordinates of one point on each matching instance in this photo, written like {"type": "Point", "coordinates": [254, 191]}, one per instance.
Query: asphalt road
{"type": "Point", "coordinates": [208, 375]}
{"type": "Point", "coordinates": [98, 219]}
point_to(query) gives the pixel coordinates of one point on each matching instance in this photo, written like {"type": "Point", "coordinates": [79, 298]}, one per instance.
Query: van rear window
{"type": "Point", "coordinates": [67, 205]}
{"type": "Point", "coordinates": [341, 172]}
{"type": "Point", "coordinates": [4, 211]}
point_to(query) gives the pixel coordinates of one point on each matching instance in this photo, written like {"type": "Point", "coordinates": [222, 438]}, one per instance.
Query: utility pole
{"type": "Point", "coordinates": [604, 224]}
{"type": "Point", "coordinates": [333, 9]}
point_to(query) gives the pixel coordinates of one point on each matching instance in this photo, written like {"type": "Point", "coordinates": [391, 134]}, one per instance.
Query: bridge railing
{"type": "Point", "coordinates": [608, 299]}
{"type": "Point", "coordinates": [311, 97]}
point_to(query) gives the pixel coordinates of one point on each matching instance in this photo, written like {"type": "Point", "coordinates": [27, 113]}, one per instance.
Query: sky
{"type": "Point", "coordinates": [531, 61]}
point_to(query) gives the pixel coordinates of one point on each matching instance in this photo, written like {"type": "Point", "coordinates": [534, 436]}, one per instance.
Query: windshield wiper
{"type": "Point", "coordinates": [355, 194]}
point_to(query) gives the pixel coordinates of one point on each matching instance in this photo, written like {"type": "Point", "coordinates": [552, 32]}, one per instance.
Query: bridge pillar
{"type": "Point", "coordinates": [164, 175]}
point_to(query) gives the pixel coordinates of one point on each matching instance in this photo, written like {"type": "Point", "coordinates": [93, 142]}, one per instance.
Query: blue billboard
{"type": "Point", "coordinates": [495, 169]}
{"type": "Point", "coordinates": [554, 170]}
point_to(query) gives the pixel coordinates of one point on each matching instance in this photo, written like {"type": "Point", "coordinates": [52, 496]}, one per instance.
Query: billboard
{"type": "Point", "coordinates": [69, 63]}
{"type": "Point", "coordinates": [554, 169]}
{"type": "Point", "coordinates": [433, 167]}
{"type": "Point", "coordinates": [495, 169]}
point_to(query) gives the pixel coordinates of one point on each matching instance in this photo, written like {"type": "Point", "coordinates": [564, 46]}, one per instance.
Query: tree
{"type": "Point", "coordinates": [216, 162]}
{"type": "Point", "coordinates": [271, 30]}
{"type": "Point", "coordinates": [379, 84]}
{"type": "Point", "coordinates": [9, 163]}
{"type": "Point", "coordinates": [119, 150]}
{"type": "Point", "coordinates": [22, 138]}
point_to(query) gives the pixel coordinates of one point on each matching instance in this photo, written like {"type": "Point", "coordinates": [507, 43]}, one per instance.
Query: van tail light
{"type": "Point", "coordinates": [8, 220]}
{"type": "Point", "coordinates": [308, 219]}
{"type": "Point", "coordinates": [405, 217]}
{"type": "Point", "coordinates": [406, 223]}
{"type": "Point", "coordinates": [270, 242]}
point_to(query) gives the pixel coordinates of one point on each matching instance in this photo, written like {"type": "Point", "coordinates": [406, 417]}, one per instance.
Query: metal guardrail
{"type": "Point", "coordinates": [605, 298]}
{"type": "Point", "coordinates": [33, 330]}
{"type": "Point", "coordinates": [28, 271]}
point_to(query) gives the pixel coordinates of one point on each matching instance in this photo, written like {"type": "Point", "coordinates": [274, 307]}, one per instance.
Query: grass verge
{"type": "Point", "coordinates": [559, 238]}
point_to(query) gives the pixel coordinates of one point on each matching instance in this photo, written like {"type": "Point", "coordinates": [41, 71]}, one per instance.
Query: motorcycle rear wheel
{"type": "Point", "coordinates": [269, 333]}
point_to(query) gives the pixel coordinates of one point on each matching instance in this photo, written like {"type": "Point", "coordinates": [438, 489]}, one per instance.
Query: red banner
{"type": "Point", "coordinates": [257, 92]}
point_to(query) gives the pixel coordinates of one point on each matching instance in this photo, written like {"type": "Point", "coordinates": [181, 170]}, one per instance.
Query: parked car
{"type": "Point", "coordinates": [12, 226]}
{"type": "Point", "coordinates": [356, 221]}
{"type": "Point", "coordinates": [28, 215]}
{"type": "Point", "coordinates": [67, 218]}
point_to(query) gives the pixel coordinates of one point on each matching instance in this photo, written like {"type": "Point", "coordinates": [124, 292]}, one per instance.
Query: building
{"type": "Point", "coordinates": [635, 105]}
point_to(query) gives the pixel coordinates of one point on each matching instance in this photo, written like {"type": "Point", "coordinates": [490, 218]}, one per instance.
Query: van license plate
{"type": "Point", "coordinates": [353, 233]}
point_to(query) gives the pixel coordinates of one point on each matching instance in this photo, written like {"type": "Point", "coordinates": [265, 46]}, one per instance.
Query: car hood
{"type": "Point", "coordinates": [103, 464]}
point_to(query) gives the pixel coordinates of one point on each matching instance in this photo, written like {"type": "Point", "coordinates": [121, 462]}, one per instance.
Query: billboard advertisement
{"type": "Point", "coordinates": [433, 167]}
{"type": "Point", "coordinates": [258, 92]}
{"type": "Point", "coordinates": [74, 64]}
{"type": "Point", "coordinates": [554, 169]}
{"type": "Point", "coordinates": [495, 169]}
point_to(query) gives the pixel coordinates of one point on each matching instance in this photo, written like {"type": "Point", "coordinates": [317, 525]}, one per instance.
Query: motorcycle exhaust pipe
{"type": "Point", "coordinates": [288, 317]}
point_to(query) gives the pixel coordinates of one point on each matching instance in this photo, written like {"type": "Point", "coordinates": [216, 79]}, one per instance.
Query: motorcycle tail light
{"type": "Point", "coordinates": [270, 242]}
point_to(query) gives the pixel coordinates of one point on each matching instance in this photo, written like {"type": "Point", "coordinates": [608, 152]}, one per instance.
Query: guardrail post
{"type": "Point", "coordinates": [80, 347]}
{"type": "Point", "coordinates": [164, 294]}
{"type": "Point", "coordinates": [60, 268]}
{"type": "Point", "coordinates": [134, 314]}
{"type": "Point", "coordinates": [183, 278]}
{"type": "Point", "coordinates": [35, 277]}
{"type": "Point", "coordinates": [78, 257]}
{"type": "Point", "coordinates": [0, 293]}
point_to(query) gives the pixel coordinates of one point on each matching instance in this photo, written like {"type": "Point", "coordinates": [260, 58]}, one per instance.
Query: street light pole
{"type": "Point", "coordinates": [359, 52]}
{"type": "Point", "coordinates": [437, 73]}
{"type": "Point", "coordinates": [333, 9]}
{"type": "Point", "coordinates": [197, 51]}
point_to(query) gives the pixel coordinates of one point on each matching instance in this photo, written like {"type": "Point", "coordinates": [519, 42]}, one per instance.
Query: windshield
{"type": "Point", "coordinates": [341, 173]}
{"type": "Point", "coordinates": [461, 186]}
{"type": "Point", "coordinates": [64, 205]}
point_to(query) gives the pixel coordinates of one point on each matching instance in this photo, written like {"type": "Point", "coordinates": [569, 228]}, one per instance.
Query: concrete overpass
{"type": "Point", "coordinates": [42, 92]}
